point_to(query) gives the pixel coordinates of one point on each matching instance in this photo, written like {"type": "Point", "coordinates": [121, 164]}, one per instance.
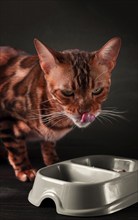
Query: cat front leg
{"type": "Point", "coordinates": [18, 158]}
{"type": "Point", "coordinates": [49, 152]}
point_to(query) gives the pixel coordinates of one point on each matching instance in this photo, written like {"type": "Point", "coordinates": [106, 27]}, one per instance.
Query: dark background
{"type": "Point", "coordinates": [86, 25]}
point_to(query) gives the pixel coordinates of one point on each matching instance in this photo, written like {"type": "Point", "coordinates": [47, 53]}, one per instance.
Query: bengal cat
{"type": "Point", "coordinates": [43, 96]}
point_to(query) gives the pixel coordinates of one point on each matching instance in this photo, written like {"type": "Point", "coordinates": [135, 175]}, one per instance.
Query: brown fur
{"type": "Point", "coordinates": [42, 97]}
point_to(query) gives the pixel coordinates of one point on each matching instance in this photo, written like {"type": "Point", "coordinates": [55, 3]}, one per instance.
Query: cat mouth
{"type": "Point", "coordinates": [87, 118]}
{"type": "Point", "coordinates": [84, 120]}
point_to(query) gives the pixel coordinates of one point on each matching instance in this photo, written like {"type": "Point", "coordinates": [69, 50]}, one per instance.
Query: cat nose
{"type": "Point", "coordinates": [81, 111]}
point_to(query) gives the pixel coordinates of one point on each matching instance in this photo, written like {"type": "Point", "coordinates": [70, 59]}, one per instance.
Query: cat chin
{"type": "Point", "coordinates": [82, 125]}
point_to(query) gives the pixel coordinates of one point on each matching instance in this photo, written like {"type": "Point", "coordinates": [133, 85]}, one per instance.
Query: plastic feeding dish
{"type": "Point", "coordinates": [88, 186]}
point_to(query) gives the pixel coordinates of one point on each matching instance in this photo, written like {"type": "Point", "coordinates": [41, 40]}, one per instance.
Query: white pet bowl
{"type": "Point", "coordinates": [88, 186]}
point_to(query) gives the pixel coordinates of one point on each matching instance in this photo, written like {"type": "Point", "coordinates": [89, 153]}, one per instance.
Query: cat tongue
{"type": "Point", "coordinates": [86, 117]}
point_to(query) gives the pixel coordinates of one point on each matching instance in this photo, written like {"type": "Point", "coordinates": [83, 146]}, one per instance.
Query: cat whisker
{"type": "Point", "coordinates": [110, 115]}
{"type": "Point", "coordinates": [106, 119]}
{"type": "Point", "coordinates": [114, 110]}
{"type": "Point", "coordinates": [57, 122]}
{"type": "Point", "coordinates": [113, 114]}
{"type": "Point", "coordinates": [54, 116]}
{"type": "Point", "coordinates": [49, 116]}
{"type": "Point", "coordinates": [43, 109]}
{"type": "Point", "coordinates": [59, 119]}
{"type": "Point", "coordinates": [47, 100]}
{"type": "Point", "coordinates": [100, 119]}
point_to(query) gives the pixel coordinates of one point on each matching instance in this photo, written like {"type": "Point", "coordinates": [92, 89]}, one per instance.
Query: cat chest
{"type": "Point", "coordinates": [46, 134]}
{"type": "Point", "coordinates": [54, 135]}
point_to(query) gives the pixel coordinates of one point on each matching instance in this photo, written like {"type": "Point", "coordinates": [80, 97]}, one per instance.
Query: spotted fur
{"type": "Point", "coordinates": [44, 95]}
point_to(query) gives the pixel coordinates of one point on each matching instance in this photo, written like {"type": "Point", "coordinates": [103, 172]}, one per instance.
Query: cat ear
{"type": "Point", "coordinates": [47, 59]}
{"type": "Point", "coordinates": [109, 52]}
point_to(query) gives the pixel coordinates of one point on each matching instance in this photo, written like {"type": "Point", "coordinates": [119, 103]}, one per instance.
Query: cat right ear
{"type": "Point", "coordinates": [47, 59]}
{"type": "Point", "coordinates": [108, 54]}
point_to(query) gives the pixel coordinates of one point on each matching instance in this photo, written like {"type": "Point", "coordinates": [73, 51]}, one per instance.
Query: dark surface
{"type": "Point", "coordinates": [86, 25]}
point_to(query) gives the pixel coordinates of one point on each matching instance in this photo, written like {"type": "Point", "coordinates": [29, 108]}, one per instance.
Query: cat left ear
{"type": "Point", "coordinates": [47, 59]}
{"type": "Point", "coordinates": [109, 52]}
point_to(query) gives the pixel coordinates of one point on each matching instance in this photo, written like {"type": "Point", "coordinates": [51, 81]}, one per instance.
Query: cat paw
{"type": "Point", "coordinates": [26, 175]}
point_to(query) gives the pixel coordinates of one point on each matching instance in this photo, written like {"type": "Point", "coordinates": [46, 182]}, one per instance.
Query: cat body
{"type": "Point", "coordinates": [43, 96]}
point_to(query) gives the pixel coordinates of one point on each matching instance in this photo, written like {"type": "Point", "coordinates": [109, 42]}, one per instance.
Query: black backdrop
{"type": "Point", "coordinates": [86, 25]}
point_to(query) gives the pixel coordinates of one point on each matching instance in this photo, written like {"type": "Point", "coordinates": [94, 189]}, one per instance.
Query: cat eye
{"type": "Point", "coordinates": [97, 91]}
{"type": "Point", "coordinates": [67, 93]}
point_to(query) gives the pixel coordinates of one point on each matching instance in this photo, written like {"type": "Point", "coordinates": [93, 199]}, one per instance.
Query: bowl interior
{"type": "Point", "coordinates": [108, 162]}
{"type": "Point", "coordinates": [78, 173]}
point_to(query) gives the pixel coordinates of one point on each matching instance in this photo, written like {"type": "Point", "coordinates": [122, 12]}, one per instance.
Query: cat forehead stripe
{"type": "Point", "coordinates": [80, 64]}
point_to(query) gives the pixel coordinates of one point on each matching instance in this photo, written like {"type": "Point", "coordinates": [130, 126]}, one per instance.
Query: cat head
{"type": "Point", "coordinates": [79, 81]}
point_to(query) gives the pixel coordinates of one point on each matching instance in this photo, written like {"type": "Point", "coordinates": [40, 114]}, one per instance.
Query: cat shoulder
{"type": "Point", "coordinates": [7, 53]}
